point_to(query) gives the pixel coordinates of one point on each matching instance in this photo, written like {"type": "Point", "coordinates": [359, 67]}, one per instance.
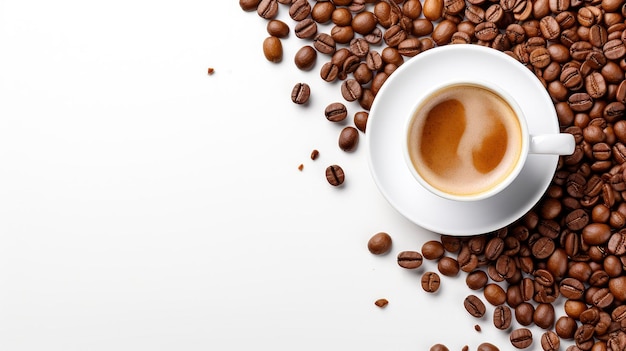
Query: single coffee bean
{"type": "Point", "coordinates": [348, 138]}
{"type": "Point", "coordinates": [273, 49]}
{"type": "Point", "coordinates": [379, 244]}
{"type": "Point", "coordinates": [521, 338]}
{"type": "Point", "coordinates": [439, 347]}
{"type": "Point", "coordinates": [430, 282]}
{"type": "Point", "coordinates": [502, 317]}
{"type": "Point", "coordinates": [550, 341]}
{"type": "Point", "coordinates": [487, 347]}
{"type": "Point", "coordinates": [381, 302]}
{"type": "Point", "coordinates": [474, 306]}
{"type": "Point", "coordinates": [351, 90]}
{"type": "Point", "coordinates": [335, 175]}
{"type": "Point", "coordinates": [305, 29]}
{"type": "Point", "coordinates": [432, 250]}
{"type": "Point", "coordinates": [300, 93]}
{"type": "Point", "coordinates": [544, 315]}
{"type": "Point", "coordinates": [336, 112]}
{"type": "Point", "coordinates": [448, 266]}
{"type": "Point", "coordinates": [572, 288]}
{"type": "Point", "coordinates": [277, 28]}
{"type": "Point", "coordinates": [524, 313]}
{"type": "Point", "coordinates": [602, 298]}
{"type": "Point", "coordinates": [364, 22]}
{"type": "Point", "coordinates": [409, 259]}
{"type": "Point", "coordinates": [305, 58]}
{"type": "Point", "coordinates": [565, 327]}
{"type": "Point", "coordinates": [494, 294]}
{"type": "Point", "coordinates": [374, 37]}
{"type": "Point", "coordinates": [596, 233]}
{"type": "Point", "coordinates": [324, 43]}
{"type": "Point", "coordinates": [617, 243]}
{"type": "Point", "coordinates": [249, 5]}
{"type": "Point", "coordinates": [322, 11]}
{"type": "Point", "coordinates": [614, 49]}
{"type": "Point", "coordinates": [329, 72]}
{"type": "Point", "coordinates": [299, 10]}
{"type": "Point", "coordinates": [360, 120]}
{"type": "Point", "coordinates": [267, 9]}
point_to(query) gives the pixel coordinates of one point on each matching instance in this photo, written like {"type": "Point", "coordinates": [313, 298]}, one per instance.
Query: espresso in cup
{"type": "Point", "coordinates": [465, 140]}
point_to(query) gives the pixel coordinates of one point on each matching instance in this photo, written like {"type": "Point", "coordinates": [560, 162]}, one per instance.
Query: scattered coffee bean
{"type": "Point", "coordinates": [314, 154]}
{"type": "Point", "coordinates": [300, 93]}
{"type": "Point", "coordinates": [474, 306]}
{"type": "Point", "coordinates": [277, 28]}
{"type": "Point", "coordinates": [502, 317]}
{"type": "Point", "coordinates": [550, 341]}
{"type": "Point", "coordinates": [273, 49]}
{"type": "Point", "coordinates": [381, 303]}
{"type": "Point", "coordinates": [249, 5]}
{"type": "Point", "coordinates": [335, 175]}
{"type": "Point", "coordinates": [348, 138]}
{"type": "Point", "coordinates": [410, 259]}
{"type": "Point", "coordinates": [431, 282]}
{"type": "Point", "coordinates": [360, 120]}
{"type": "Point", "coordinates": [477, 328]}
{"type": "Point", "coordinates": [305, 58]}
{"type": "Point", "coordinates": [379, 243]}
{"type": "Point", "coordinates": [439, 347]}
{"type": "Point", "coordinates": [300, 167]}
{"type": "Point", "coordinates": [448, 266]}
{"type": "Point", "coordinates": [487, 347]}
{"type": "Point", "coordinates": [336, 112]}
{"type": "Point", "coordinates": [521, 338]}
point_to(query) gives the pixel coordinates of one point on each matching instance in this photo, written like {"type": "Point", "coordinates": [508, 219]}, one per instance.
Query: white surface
{"type": "Point", "coordinates": [397, 101]}
{"type": "Point", "coordinates": [145, 205]}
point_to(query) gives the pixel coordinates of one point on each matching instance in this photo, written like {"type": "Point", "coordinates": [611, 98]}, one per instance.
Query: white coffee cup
{"type": "Point", "coordinates": [452, 172]}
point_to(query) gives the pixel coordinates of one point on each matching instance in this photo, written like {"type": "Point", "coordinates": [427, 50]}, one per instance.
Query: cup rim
{"type": "Point", "coordinates": [513, 174]}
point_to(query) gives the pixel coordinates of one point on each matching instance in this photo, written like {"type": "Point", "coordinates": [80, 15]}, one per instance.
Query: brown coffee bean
{"type": "Point", "coordinates": [351, 90]}
{"type": "Point", "coordinates": [448, 266]}
{"type": "Point", "coordinates": [494, 294]}
{"type": "Point", "coordinates": [342, 34]}
{"type": "Point", "coordinates": [432, 250]}
{"type": "Point", "coordinates": [379, 244]}
{"type": "Point", "coordinates": [409, 259]}
{"type": "Point", "coordinates": [596, 233]}
{"type": "Point", "coordinates": [572, 288]}
{"type": "Point", "coordinates": [324, 43]}
{"type": "Point", "coordinates": [305, 58]}
{"type": "Point", "coordinates": [267, 9]}
{"type": "Point", "coordinates": [249, 5]}
{"type": "Point", "coordinates": [474, 306]}
{"type": "Point", "coordinates": [602, 298]}
{"type": "Point", "coordinates": [348, 138]}
{"type": "Point", "coordinates": [363, 75]}
{"type": "Point", "coordinates": [430, 282]}
{"type": "Point", "coordinates": [617, 243]}
{"type": "Point", "coordinates": [329, 72]}
{"type": "Point", "coordinates": [439, 347]}
{"type": "Point", "coordinates": [502, 317]}
{"type": "Point", "coordinates": [487, 347]}
{"type": "Point", "coordinates": [524, 313]}
{"type": "Point", "coordinates": [277, 28]}
{"type": "Point", "coordinates": [300, 93]}
{"type": "Point", "coordinates": [381, 302]}
{"type": "Point", "coordinates": [486, 31]}
{"type": "Point", "coordinates": [521, 338]}
{"type": "Point", "coordinates": [544, 315]}
{"type": "Point", "coordinates": [299, 10]}
{"type": "Point", "coordinates": [305, 29]}
{"type": "Point", "coordinates": [360, 120]}
{"type": "Point", "coordinates": [550, 341]}
{"type": "Point", "coordinates": [614, 49]}
{"type": "Point", "coordinates": [443, 31]}
{"type": "Point", "coordinates": [565, 327]}
{"type": "Point", "coordinates": [273, 49]}
{"type": "Point", "coordinates": [432, 9]}
{"type": "Point", "coordinates": [476, 279]}
{"type": "Point", "coordinates": [336, 112]}
{"type": "Point", "coordinates": [322, 11]}
{"type": "Point", "coordinates": [364, 22]}
{"type": "Point", "coordinates": [335, 175]}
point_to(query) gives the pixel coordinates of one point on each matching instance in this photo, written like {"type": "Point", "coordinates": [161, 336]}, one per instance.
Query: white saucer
{"type": "Point", "coordinates": [394, 103]}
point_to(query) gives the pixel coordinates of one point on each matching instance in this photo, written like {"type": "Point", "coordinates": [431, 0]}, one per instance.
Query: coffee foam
{"type": "Point", "coordinates": [452, 169]}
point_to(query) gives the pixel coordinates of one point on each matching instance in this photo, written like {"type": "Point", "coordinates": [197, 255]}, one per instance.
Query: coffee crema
{"type": "Point", "coordinates": [464, 139]}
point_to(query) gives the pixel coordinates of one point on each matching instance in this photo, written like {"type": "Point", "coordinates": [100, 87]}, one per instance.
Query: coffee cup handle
{"type": "Point", "coordinates": [552, 144]}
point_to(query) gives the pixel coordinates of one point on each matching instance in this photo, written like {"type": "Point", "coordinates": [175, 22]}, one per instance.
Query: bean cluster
{"type": "Point", "coordinates": [572, 245]}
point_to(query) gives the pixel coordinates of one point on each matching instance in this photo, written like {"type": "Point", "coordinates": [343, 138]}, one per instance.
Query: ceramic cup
{"type": "Point", "coordinates": [467, 140]}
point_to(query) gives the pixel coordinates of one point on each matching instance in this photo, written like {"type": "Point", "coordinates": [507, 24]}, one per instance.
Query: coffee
{"type": "Point", "coordinates": [464, 139]}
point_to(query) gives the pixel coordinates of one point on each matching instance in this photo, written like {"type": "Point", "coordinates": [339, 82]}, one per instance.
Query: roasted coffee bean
{"type": "Point", "coordinates": [487, 347]}
{"type": "Point", "coordinates": [364, 22]}
{"type": "Point", "coordinates": [380, 243]}
{"type": "Point", "coordinates": [595, 85]}
{"type": "Point", "coordinates": [336, 112]}
{"type": "Point", "coordinates": [300, 93]}
{"type": "Point", "coordinates": [617, 243]}
{"type": "Point", "coordinates": [543, 248]}
{"type": "Point", "coordinates": [342, 34]}
{"type": "Point", "coordinates": [602, 298]}
{"type": "Point", "coordinates": [335, 175]}
{"type": "Point", "coordinates": [267, 9]}
{"type": "Point", "coordinates": [299, 10]}
{"type": "Point", "coordinates": [502, 317]}
{"type": "Point", "coordinates": [544, 315]}
{"type": "Point", "coordinates": [305, 58]}
{"type": "Point", "coordinates": [476, 279]}
{"type": "Point", "coordinates": [565, 327]}
{"type": "Point", "coordinates": [433, 9]}
{"type": "Point", "coordinates": [322, 11]}
{"type": "Point", "coordinates": [273, 49]}
{"type": "Point", "coordinates": [596, 233]}
{"type": "Point", "coordinates": [249, 5]}
{"type": "Point", "coordinates": [324, 43]}
{"type": "Point", "coordinates": [494, 294]}
{"type": "Point", "coordinates": [614, 49]}
{"type": "Point", "coordinates": [351, 90]}
{"type": "Point", "coordinates": [409, 259]}
{"type": "Point", "coordinates": [584, 333]}
{"type": "Point", "coordinates": [430, 282]}
{"type": "Point", "coordinates": [439, 347]}
{"type": "Point", "coordinates": [448, 266]}
{"type": "Point", "coordinates": [550, 341]}
{"type": "Point", "coordinates": [521, 338]}
{"type": "Point", "coordinates": [277, 28]}
{"type": "Point", "coordinates": [474, 306]}
{"type": "Point", "coordinates": [381, 302]}
{"type": "Point", "coordinates": [305, 29]}
{"type": "Point", "coordinates": [572, 288]}
{"type": "Point", "coordinates": [348, 138]}
{"type": "Point", "coordinates": [360, 120]}
{"type": "Point", "coordinates": [359, 47]}
{"type": "Point", "coordinates": [443, 31]}
{"type": "Point", "coordinates": [432, 250]}
{"type": "Point", "coordinates": [524, 313]}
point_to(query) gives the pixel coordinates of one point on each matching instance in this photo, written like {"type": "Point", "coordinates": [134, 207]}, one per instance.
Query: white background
{"type": "Point", "coordinates": [147, 205]}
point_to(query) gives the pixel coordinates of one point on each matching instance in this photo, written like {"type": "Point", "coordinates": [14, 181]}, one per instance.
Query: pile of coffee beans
{"type": "Point", "coordinates": [572, 246]}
